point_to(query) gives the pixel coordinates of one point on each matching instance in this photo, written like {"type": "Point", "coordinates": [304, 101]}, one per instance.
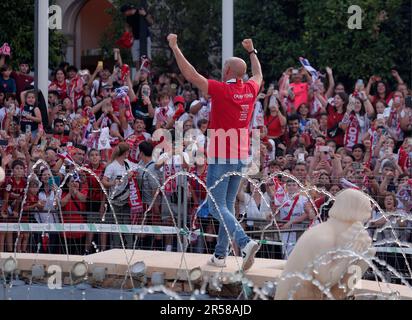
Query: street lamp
{"type": "Point", "coordinates": [227, 30]}
{"type": "Point", "coordinates": [41, 52]}
{"type": "Point", "coordinates": [9, 265]}
{"type": "Point", "coordinates": [79, 270]}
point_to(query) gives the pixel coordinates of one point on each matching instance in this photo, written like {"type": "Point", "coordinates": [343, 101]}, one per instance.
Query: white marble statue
{"type": "Point", "coordinates": [319, 251]}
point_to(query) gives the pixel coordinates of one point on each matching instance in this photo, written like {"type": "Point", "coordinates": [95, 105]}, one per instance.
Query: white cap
{"type": "Point", "coordinates": [195, 103]}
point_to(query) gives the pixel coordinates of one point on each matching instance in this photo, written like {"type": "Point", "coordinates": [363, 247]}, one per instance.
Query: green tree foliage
{"type": "Point", "coordinates": [285, 30]}
{"type": "Point", "coordinates": [17, 29]}
{"type": "Point", "coordinates": [198, 24]}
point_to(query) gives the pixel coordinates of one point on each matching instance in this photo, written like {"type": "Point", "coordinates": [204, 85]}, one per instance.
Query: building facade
{"type": "Point", "coordinates": [84, 23]}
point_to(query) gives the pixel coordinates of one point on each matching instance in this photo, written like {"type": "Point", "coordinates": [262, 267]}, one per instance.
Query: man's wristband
{"type": "Point", "coordinates": [253, 52]}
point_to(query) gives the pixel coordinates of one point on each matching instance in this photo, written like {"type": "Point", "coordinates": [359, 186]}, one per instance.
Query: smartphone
{"type": "Point", "coordinates": [4, 143]}
{"type": "Point", "coordinates": [359, 83]}
{"type": "Point", "coordinates": [145, 93]}
{"type": "Point", "coordinates": [356, 166]}
{"type": "Point", "coordinates": [301, 157]}
{"type": "Point", "coordinates": [380, 116]}
{"type": "Point", "coordinates": [28, 128]}
{"type": "Point", "coordinates": [100, 64]}
{"type": "Point", "coordinates": [295, 71]}
{"type": "Point", "coordinates": [324, 149]}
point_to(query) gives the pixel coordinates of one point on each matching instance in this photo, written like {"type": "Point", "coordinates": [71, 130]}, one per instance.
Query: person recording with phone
{"type": "Point", "coordinates": [138, 21]}
{"type": "Point", "coordinates": [142, 104]}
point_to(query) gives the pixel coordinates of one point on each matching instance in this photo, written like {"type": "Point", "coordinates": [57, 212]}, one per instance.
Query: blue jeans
{"type": "Point", "coordinates": [225, 196]}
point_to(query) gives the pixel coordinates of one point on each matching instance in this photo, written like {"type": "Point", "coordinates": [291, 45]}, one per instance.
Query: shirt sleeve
{"type": "Point", "coordinates": [108, 173]}
{"type": "Point", "coordinates": [153, 183]}
{"type": "Point", "coordinates": [255, 87]}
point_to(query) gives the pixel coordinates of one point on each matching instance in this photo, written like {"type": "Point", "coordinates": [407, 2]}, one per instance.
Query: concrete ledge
{"type": "Point", "coordinates": [172, 264]}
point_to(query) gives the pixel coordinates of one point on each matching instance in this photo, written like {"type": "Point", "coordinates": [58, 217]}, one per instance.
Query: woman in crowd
{"type": "Point", "coordinates": [336, 113]}
{"type": "Point", "coordinates": [73, 204]}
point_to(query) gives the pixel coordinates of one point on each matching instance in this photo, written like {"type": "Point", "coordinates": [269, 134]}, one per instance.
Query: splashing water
{"type": "Point", "coordinates": [216, 282]}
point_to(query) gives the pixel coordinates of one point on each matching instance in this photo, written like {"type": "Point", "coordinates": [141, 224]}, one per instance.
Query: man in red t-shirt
{"type": "Point", "coordinates": [233, 103]}
{"type": "Point", "coordinates": [22, 78]}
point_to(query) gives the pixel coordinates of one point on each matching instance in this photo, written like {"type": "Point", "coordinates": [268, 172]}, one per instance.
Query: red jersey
{"type": "Point", "coordinates": [273, 125]}
{"type": "Point", "coordinates": [64, 139]}
{"type": "Point", "coordinates": [96, 192]}
{"type": "Point", "coordinates": [334, 118]}
{"type": "Point", "coordinates": [71, 217]}
{"type": "Point", "coordinates": [233, 105]}
{"type": "Point", "coordinates": [387, 99]}
{"type": "Point", "coordinates": [22, 82]}
{"type": "Point", "coordinates": [15, 189]}
{"type": "Point", "coordinates": [300, 91]}
{"type": "Point", "coordinates": [196, 186]}
{"type": "Point", "coordinates": [15, 192]}
{"type": "Point", "coordinates": [31, 200]}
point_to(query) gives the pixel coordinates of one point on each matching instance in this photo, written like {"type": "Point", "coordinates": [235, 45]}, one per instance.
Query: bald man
{"type": "Point", "coordinates": [228, 149]}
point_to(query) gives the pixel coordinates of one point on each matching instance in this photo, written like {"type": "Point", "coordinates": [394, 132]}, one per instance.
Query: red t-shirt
{"type": "Point", "coordinates": [22, 81]}
{"type": "Point", "coordinates": [334, 118]}
{"type": "Point", "coordinates": [388, 98]}
{"type": "Point", "coordinates": [31, 200]}
{"type": "Point", "coordinates": [71, 217]}
{"type": "Point", "coordinates": [17, 188]}
{"type": "Point", "coordinates": [96, 192]}
{"type": "Point", "coordinates": [301, 93]}
{"type": "Point", "coordinates": [64, 139]}
{"type": "Point", "coordinates": [233, 105]}
{"type": "Point", "coordinates": [273, 125]}
{"type": "Point", "coordinates": [196, 186]}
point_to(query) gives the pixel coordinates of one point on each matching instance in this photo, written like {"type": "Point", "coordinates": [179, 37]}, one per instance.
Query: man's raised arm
{"type": "Point", "coordinates": [188, 71]}
{"type": "Point", "coordinates": [256, 67]}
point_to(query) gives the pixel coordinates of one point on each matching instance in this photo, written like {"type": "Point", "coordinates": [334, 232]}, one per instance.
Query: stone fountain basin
{"type": "Point", "coordinates": [171, 264]}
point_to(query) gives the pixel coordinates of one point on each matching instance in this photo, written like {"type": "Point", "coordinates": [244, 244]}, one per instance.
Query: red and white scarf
{"type": "Point", "coordinates": [76, 91]}
{"type": "Point", "coordinates": [134, 141]}
{"type": "Point", "coordinates": [170, 171]}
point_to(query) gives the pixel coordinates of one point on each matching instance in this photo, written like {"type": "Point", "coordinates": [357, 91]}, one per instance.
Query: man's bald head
{"type": "Point", "coordinates": [234, 68]}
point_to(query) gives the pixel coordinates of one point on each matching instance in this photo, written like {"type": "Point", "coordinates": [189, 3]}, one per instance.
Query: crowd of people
{"type": "Point", "coordinates": [323, 133]}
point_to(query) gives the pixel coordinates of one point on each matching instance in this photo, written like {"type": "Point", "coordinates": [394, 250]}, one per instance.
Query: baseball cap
{"type": "Point", "coordinates": [194, 103]}
{"type": "Point", "coordinates": [179, 99]}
